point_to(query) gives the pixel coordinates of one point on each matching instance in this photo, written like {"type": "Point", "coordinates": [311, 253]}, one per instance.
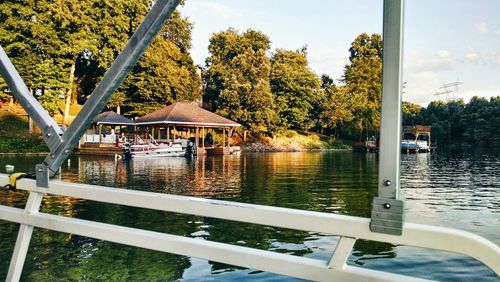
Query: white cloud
{"type": "Point", "coordinates": [215, 9]}
{"type": "Point", "coordinates": [472, 57]}
{"type": "Point", "coordinates": [497, 32]}
{"type": "Point", "coordinates": [420, 87]}
{"type": "Point", "coordinates": [418, 61]}
{"type": "Point", "coordinates": [443, 53]}
{"type": "Point", "coordinates": [328, 61]}
{"type": "Point", "coordinates": [481, 28]}
{"type": "Point", "coordinates": [496, 57]}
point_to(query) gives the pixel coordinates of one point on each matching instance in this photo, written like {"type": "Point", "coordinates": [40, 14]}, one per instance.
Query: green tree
{"type": "Point", "coordinates": [237, 78]}
{"type": "Point", "coordinates": [29, 37]}
{"type": "Point", "coordinates": [337, 112]}
{"type": "Point", "coordinates": [410, 113]}
{"type": "Point", "coordinates": [362, 78]}
{"type": "Point", "coordinates": [67, 45]}
{"type": "Point", "coordinates": [166, 72]}
{"type": "Point", "coordinates": [295, 87]}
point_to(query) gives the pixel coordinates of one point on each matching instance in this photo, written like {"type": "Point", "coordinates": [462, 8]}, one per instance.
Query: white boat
{"type": "Point", "coordinates": [151, 150]}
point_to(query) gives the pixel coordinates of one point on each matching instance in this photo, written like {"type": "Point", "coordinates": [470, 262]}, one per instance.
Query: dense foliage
{"type": "Point", "coordinates": [237, 78]}
{"type": "Point", "coordinates": [265, 94]}
{"type": "Point", "coordinates": [295, 88]}
{"type": "Point", "coordinates": [455, 123]}
{"type": "Point", "coordinates": [61, 49]}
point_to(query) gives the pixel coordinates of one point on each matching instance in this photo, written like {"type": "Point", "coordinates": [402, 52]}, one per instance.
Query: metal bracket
{"type": "Point", "coordinates": [42, 176]}
{"type": "Point", "coordinates": [52, 138]}
{"type": "Point", "coordinates": [387, 216]}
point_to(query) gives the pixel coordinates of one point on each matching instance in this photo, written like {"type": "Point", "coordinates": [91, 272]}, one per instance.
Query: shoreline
{"type": "Point", "coordinates": [24, 154]}
{"type": "Point", "coordinates": [296, 150]}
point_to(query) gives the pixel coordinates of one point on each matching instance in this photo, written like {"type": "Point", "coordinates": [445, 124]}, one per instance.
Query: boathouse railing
{"type": "Point", "coordinates": [385, 225]}
{"type": "Point", "coordinates": [349, 229]}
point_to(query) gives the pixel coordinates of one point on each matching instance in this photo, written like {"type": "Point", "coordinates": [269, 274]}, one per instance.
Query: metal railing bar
{"type": "Point", "coordinates": [416, 235]}
{"type": "Point", "coordinates": [112, 79]}
{"type": "Point", "coordinates": [23, 239]}
{"type": "Point", "coordinates": [301, 267]}
{"type": "Point", "coordinates": [390, 128]}
{"type": "Point", "coordinates": [51, 131]}
{"type": "Point", "coordinates": [387, 216]}
{"type": "Point", "coordinates": [341, 253]}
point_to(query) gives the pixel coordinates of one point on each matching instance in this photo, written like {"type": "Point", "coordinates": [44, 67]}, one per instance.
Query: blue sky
{"type": "Point", "coordinates": [445, 40]}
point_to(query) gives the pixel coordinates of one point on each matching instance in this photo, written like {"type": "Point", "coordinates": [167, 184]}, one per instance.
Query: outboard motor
{"type": "Point", "coordinates": [127, 151]}
{"type": "Point", "coordinates": [190, 149]}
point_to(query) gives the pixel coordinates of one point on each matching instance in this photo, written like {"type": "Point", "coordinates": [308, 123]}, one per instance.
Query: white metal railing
{"type": "Point", "coordinates": [94, 138]}
{"type": "Point", "coordinates": [348, 227]}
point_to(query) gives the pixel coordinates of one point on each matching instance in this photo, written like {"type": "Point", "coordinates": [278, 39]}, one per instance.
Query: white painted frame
{"type": "Point", "coordinates": [349, 228]}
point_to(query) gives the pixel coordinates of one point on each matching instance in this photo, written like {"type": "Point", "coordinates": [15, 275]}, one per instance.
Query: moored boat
{"type": "Point", "coordinates": [151, 150]}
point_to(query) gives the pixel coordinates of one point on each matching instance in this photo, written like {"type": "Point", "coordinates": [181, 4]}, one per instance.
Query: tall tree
{"type": "Point", "coordinates": [410, 113]}
{"type": "Point", "coordinates": [362, 78]}
{"type": "Point", "coordinates": [66, 45]}
{"type": "Point", "coordinates": [336, 107]}
{"type": "Point", "coordinates": [29, 37]}
{"type": "Point", "coordinates": [237, 78]}
{"type": "Point", "coordinates": [296, 88]}
{"type": "Point", "coordinates": [166, 72]}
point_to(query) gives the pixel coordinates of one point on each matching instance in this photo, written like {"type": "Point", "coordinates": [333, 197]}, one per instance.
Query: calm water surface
{"type": "Point", "coordinates": [455, 191]}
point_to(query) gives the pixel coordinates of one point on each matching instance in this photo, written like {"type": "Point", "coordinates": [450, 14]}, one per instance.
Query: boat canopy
{"type": "Point", "coordinates": [185, 114]}
{"type": "Point", "coordinates": [113, 118]}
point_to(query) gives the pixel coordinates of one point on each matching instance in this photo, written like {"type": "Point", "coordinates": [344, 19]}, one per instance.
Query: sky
{"type": "Point", "coordinates": [445, 40]}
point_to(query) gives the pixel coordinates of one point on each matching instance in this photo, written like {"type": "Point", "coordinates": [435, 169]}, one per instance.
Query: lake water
{"type": "Point", "coordinates": [457, 191]}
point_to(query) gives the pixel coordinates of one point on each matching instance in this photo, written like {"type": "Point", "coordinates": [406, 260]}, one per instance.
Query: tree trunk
{"type": "Point", "coordinates": [30, 120]}
{"type": "Point", "coordinates": [70, 92]}
{"type": "Point", "coordinates": [118, 109]}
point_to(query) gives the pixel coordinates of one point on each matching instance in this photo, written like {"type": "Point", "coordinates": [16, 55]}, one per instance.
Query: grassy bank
{"type": "Point", "coordinates": [15, 137]}
{"type": "Point", "coordinates": [292, 141]}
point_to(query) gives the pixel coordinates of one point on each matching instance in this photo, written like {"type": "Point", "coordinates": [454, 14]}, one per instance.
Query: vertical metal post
{"type": "Point", "coordinates": [23, 239]}
{"type": "Point", "coordinates": [387, 209]}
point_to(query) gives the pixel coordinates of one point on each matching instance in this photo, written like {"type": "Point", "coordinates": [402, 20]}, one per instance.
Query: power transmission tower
{"type": "Point", "coordinates": [448, 90]}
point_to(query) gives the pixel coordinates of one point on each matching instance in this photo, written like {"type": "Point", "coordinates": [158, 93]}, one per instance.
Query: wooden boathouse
{"type": "Point", "coordinates": [178, 123]}
{"type": "Point", "coordinates": [187, 121]}
{"type": "Point", "coordinates": [98, 142]}
{"type": "Point", "coordinates": [416, 138]}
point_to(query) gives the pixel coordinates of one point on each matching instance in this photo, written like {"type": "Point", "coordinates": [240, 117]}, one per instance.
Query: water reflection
{"type": "Point", "coordinates": [460, 192]}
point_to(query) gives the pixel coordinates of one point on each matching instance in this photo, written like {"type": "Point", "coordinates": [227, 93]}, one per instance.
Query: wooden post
{"type": "Point", "coordinates": [100, 136]}
{"type": "Point", "coordinates": [223, 137]}
{"type": "Point", "coordinates": [203, 137]}
{"type": "Point", "coordinates": [196, 138]}
{"type": "Point", "coordinates": [175, 131]}
{"type": "Point", "coordinates": [228, 132]}
{"type": "Point", "coordinates": [244, 135]}
{"type": "Point", "coordinates": [135, 134]}
{"type": "Point", "coordinates": [168, 133]}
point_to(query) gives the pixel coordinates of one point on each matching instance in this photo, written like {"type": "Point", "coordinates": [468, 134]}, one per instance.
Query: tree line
{"type": "Point", "coordinates": [457, 123]}
{"type": "Point", "coordinates": [63, 48]}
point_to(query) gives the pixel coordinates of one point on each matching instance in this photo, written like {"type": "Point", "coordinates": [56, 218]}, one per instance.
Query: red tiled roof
{"type": "Point", "coordinates": [188, 114]}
